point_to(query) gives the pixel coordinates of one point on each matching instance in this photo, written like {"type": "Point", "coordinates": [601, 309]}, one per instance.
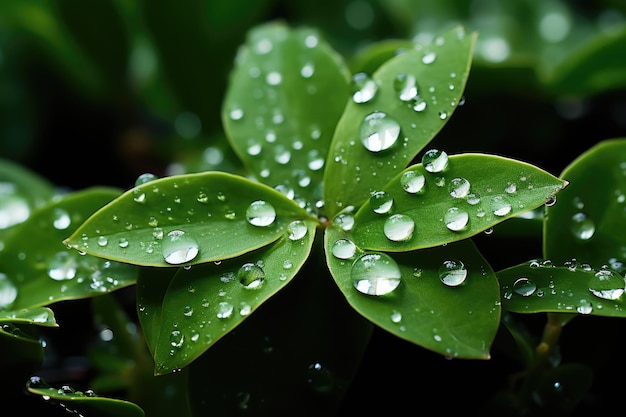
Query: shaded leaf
{"type": "Point", "coordinates": [202, 217]}
{"type": "Point", "coordinates": [285, 96]}
{"type": "Point", "coordinates": [588, 221]}
{"type": "Point", "coordinates": [541, 286]}
{"type": "Point", "coordinates": [458, 321]}
{"type": "Point", "coordinates": [42, 270]}
{"type": "Point", "coordinates": [473, 194]}
{"type": "Point", "coordinates": [40, 316]}
{"type": "Point", "coordinates": [204, 303]}
{"type": "Point", "coordinates": [440, 71]}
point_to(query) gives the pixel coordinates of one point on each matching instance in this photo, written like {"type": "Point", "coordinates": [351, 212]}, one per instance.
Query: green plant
{"type": "Point", "coordinates": [342, 218]}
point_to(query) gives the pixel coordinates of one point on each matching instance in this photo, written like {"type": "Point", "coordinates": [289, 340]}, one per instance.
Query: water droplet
{"type": "Point", "coordinates": [144, 178]}
{"type": "Point", "coordinates": [102, 241]}
{"type": "Point", "coordinates": [473, 199]}
{"type": "Point", "coordinates": [500, 206]}
{"type": "Point", "coordinates": [375, 273]}
{"type": "Point", "coordinates": [179, 247]}
{"type": "Point", "coordinates": [260, 213]}
{"type": "Point", "coordinates": [607, 284]}
{"type": "Point", "coordinates": [406, 86]}
{"type": "Point", "coordinates": [456, 219]}
{"type": "Point", "coordinates": [251, 275]}
{"type": "Point", "coordinates": [379, 132]}
{"type": "Point", "coordinates": [381, 202]}
{"type": "Point", "coordinates": [396, 316]}
{"type": "Point", "coordinates": [297, 230]}
{"type": "Point", "coordinates": [344, 220]}
{"type": "Point", "coordinates": [320, 378]}
{"type": "Point", "coordinates": [420, 105]}
{"type": "Point", "coordinates": [224, 310]}
{"type": "Point", "coordinates": [412, 182]}
{"type": "Point", "coordinates": [524, 287]}
{"type": "Point", "coordinates": [435, 160]}
{"type": "Point", "coordinates": [62, 266]}
{"type": "Point", "coordinates": [452, 273]}
{"type": "Point", "coordinates": [364, 88]}
{"type": "Point", "coordinates": [429, 58]}
{"type": "Point", "coordinates": [343, 249]}
{"type": "Point", "coordinates": [61, 219]}
{"type": "Point", "coordinates": [399, 227]}
{"type": "Point", "coordinates": [459, 187]}
{"type": "Point", "coordinates": [582, 226]}
{"type": "Point", "coordinates": [8, 291]}
{"type": "Point", "coordinates": [584, 306]}
{"type": "Point", "coordinates": [273, 78]}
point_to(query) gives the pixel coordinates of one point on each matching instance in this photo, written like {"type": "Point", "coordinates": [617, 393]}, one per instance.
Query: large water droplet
{"type": "Point", "coordinates": [297, 230]}
{"type": "Point", "coordinates": [456, 219]}
{"type": "Point", "coordinates": [260, 213]}
{"type": "Point", "coordinates": [607, 284]}
{"type": "Point", "coordinates": [399, 227]}
{"type": "Point", "coordinates": [381, 202]}
{"type": "Point", "coordinates": [61, 219]}
{"type": "Point", "coordinates": [379, 132]}
{"type": "Point", "coordinates": [452, 273]}
{"type": "Point", "coordinates": [375, 273]}
{"type": "Point", "coordinates": [459, 187]}
{"type": "Point", "coordinates": [179, 247]}
{"type": "Point", "coordinates": [524, 286]}
{"type": "Point", "coordinates": [364, 88]}
{"type": "Point", "coordinates": [344, 220]}
{"type": "Point", "coordinates": [412, 182]}
{"type": "Point", "coordinates": [500, 206]}
{"type": "Point", "coordinates": [343, 249]}
{"type": "Point", "coordinates": [406, 86]}
{"type": "Point", "coordinates": [251, 275]}
{"type": "Point", "coordinates": [435, 160]}
{"type": "Point", "coordinates": [582, 226]}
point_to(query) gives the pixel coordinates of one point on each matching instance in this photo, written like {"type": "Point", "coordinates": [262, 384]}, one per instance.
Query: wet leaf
{"type": "Point", "coordinates": [40, 316]}
{"type": "Point", "coordinates": [460, 320]}
{"type": "Point", "coordinates": [38, 270]}
{"type": "Point", "coordinates": [408, 101]}
{"type": "Point", "coordinates": [542, 286]}
{"type": "Point", "coordinates": [589, 218]}
{"type": "Point", "coordinates": [206, 302]}
{"type": "Point", "coordinates": [285, 96]}
{"type": "Point", "coordinates": [419, 209]}
{"type": "Point", "coordinates": [187, 219]}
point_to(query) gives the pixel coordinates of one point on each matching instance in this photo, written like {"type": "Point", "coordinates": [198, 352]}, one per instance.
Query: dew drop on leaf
{"type": "Point", "coordinates": [412, 182]}
{"type": "Point", "coordinates": [364, 88]}
{"type": "Point", "coordinates": [379, 132]}
{"type": "Point", "coordinates": [405, 86]}
{"type": "Point", "coordinates": [582, 226]}
{"type": "Point", "coordinates": [250, 275]}
{"type": "Point", "coordinates": [224, 310]}
{"type": "Point", "coordinates": [144, 178]}
{"type": "Point", "coordinates": [260, 213]}
{"type": "Point", "coordinates": [607, 284]}
{"type": "Point", "coordinates": [381, 202]}
{"type": "Point", "coordinates": [452, 273]}
{"type": "Point", "coordinates": [524, 286]}
{"type": "Point", "coordinates": [8, 291]}
{"type": "Point", "coordinates": [459, 187]}
{"type": "Point", "coordinates": [179, 247]}
{"type": "Point", "coordinates": [375, 273]}
{"type": "Point", "coordinates": [456, 219]}
{"type": "Point", "coordinates": [62, 266]}
{"type": "Point", "coordinates": [435, 160]}
{"type": "Point", "coordinates": [297, 230]}
{"type": "Point", "coordinates": [343, 249]}
{"type": "Point", "coordinates": [61, 219]}
{"type": "Point", "coordinates": [399, 227]}
{"type": "Point", "coordinates": [500, 206]}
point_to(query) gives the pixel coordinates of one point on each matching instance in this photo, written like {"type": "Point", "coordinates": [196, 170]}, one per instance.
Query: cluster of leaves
{"type": "Point", "coordinates": [338, 187]}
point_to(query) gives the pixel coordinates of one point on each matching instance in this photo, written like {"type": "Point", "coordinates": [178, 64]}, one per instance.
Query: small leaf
{"type": "Point", "coordinates": [457, 321]}
{"type": "Point", "coordinates": [416, 93]}
{"type": "Point", "coordinates": [474, 193]}
{"type": "Point", "coordinates": [189, 219]}
{"type": "Point", "coordinates": [40, 316]}
{"type": "Point", "coordinates": [204, 303]}
{"type": "Point", "coordinates": [589, 218]}
{"type": "Point", "coordinates": [38, 270]}
{"type": "Point", "coordinates": [285, 96]}
{"type": "Point", "coordinates": [541, 286]}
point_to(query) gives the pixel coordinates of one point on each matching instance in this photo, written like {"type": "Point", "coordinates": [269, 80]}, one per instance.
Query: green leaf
{"type": "Point", "coordinates": [285, 96]}
{"type": "Point", "coordinates": [542, 286]}
{"type": "Point", "coordinates": [459, 321]}
{"type": "Point", "coordinates": [587, 222]}
{"type": "Point", "coordinates": [201, 217]}
{"type": "Point", "coordinates": [41, 270]}
{"type": "Point", "coordinates": [84, 403]}
{"type": "Point", "coordinates": [474, 193]}
{"type": "Point", "coordinates": [204, 303]}
{"type": "Point", "coordinates": [440, 70]}
{"type": "Point", "coordinates": [40, 316]}
{"type": "Point", "coordinates": [596, 66]}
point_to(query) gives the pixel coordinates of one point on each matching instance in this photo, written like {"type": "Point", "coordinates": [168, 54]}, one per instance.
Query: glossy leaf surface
{"type": "Point", "coordinates": [457, 321]}
{"type": "Point", "coordinates": [41, 316]}
{"type": "Point", "coordinates": [285, 96]}
{"type": "Point", "coordinates": [204, 303]}
{"type": "Point", "coordinates": [415, 94]}
{"type": "Point", "coordinates": [192, 218]}
{"type": "Point", "coordinates": [572, 287]}
{"type": "Point", "coordinates": [589, 219]}
{"type": "Point", "coordinates": [474, 193]}
{"type": "Point", "coordinates": [39, 270]}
